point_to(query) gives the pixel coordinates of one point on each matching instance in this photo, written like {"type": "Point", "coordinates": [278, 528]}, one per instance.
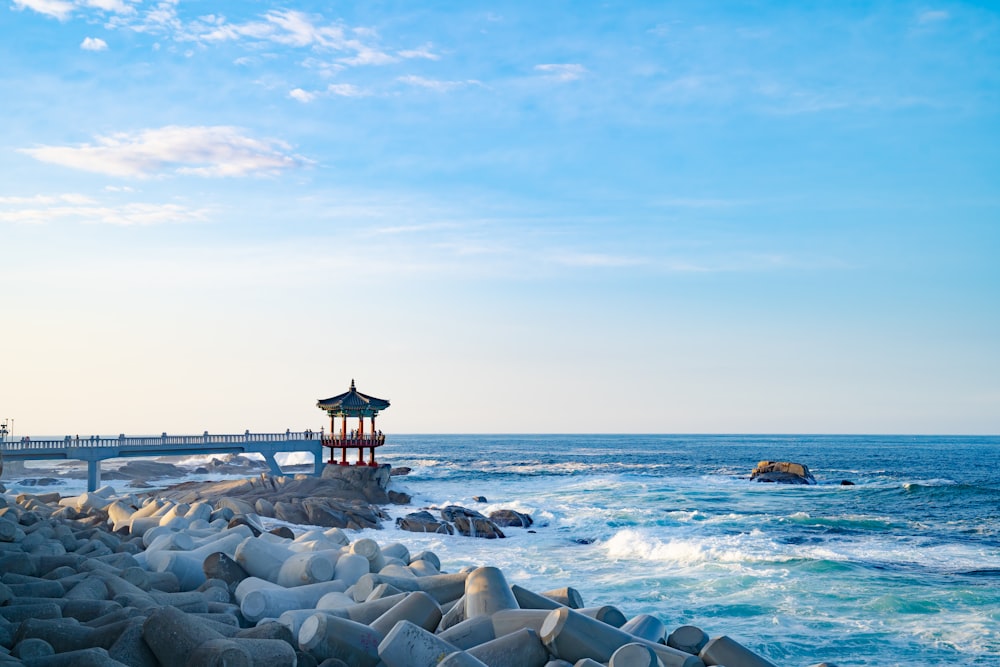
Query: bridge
{"type": "Point", "coordinates": [95, 449]}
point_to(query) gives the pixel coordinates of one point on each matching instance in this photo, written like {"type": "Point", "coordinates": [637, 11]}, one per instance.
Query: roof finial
{"type": "Point", "coordinates": [352, 385]}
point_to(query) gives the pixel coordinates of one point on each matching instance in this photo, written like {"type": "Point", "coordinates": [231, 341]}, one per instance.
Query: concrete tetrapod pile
{"type": "Point", "coordinates": [102, 579]}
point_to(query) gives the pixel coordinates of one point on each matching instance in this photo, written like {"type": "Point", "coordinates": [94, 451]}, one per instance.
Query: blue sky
{"type": "Point", "coordinates": [510, 217]}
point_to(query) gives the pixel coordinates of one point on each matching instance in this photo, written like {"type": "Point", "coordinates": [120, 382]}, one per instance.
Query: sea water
{"type": "Point", "coordinates": [902, 568]}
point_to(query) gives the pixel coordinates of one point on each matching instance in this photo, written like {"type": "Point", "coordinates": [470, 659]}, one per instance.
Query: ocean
{"type": "Point", "coordinates": [901, 568]}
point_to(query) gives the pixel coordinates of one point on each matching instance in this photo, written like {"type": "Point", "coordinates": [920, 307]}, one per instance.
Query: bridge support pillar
{"type": "Point", "coordinates": [273, 464]}
{"type": "Point", "coordinates": [318, 462]}
{"type": "Point", "coordinates": [93, 475]}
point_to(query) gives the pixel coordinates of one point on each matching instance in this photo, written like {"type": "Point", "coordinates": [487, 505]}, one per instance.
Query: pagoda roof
{"type": "Point", "coordinates": [353, 403]}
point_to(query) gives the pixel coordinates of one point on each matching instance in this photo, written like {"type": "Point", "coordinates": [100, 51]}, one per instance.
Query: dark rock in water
{"type": "Point", "coordinates": [583, 540]}
{"type": "Point", "coordinates": [139, 484]}
{"type": "Point", "coordinates": [452, 512]}
{"type": "Point", "coordinates": [399, 498]}
{"type": "Point", "coordinates": [424, 522]}
{"type": "Point", "coordinates": [507, 518]}
{"type": "Point", "coordinates": [401, 470]}
{"type": "Point", "coordinates": [782, 472]}
{"type": "Point", "coordinates": [40, 481]}
{"type": "Point", "coordinates": [480, 526]}
{"type": "Point", "coordinates": [479, 499]}
{"type": "Point", "coordinates": [846, 482]}
{"type": "Point", "coordinates": [201, 470]}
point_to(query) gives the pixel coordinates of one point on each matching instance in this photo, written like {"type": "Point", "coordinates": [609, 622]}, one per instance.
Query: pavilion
{"type": "Point", "coordinates": [353, 403]}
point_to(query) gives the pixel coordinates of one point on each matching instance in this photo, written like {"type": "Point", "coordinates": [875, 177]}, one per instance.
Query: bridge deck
{"type": "Point", "coordinates": [93, 450]}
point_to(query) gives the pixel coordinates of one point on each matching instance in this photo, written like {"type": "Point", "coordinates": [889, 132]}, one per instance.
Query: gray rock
{"type": "Point", "coordinates": [424, 522]}
{"type": "Point", "coordinates": [782, 472]}
{"type": "Point", "coordinates": [506, 518]}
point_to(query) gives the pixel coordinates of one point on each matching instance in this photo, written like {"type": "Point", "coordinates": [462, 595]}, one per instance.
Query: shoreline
{"type": "Point", "coordinates": [177, 520]}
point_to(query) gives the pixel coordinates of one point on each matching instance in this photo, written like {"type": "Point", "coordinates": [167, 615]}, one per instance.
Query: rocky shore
{"type": "Point", "coordinates": [190, 576]}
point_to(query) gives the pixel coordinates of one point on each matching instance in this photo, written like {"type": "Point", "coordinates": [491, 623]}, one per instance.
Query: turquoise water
{"type": "Point", "coordinates": [903, 568]}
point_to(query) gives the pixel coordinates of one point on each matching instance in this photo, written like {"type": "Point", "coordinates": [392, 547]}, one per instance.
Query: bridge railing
{"type": "Point", "coordinates": [27, 444]}
{"type": "Point", "coordinates": [356, 441]}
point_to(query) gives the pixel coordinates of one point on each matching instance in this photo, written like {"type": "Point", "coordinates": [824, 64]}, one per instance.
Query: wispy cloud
{"type": "Point", "coordinates": [114, 6]}
{"type": "Point", "coordinates": [435, 84]}
{"type": "Point", "coordinates": [296, 29]}
{"type": "Point", "coordinates": [932, 16]}
{"type": "Point", "coordinates": [55, 8]}
{"type": "Point", "coordinates": [199, 151]}
{"type": "Point", "coordinates": [416, 229]}
{"type": "Point", "coordinates": [346, 90]}
{"type": "Point", "coordinates": [303, 96]}
{"type": "Point", "coordinates": [423, 52]}
{"type": "Point", "coordinates": [63, 9]}
{"type": "Point", "coordinates": [562, 71]}
{"type": "Point", "coordinates": [77, 208]}
{"type": "Point", "coordinates": [93, 44]}
{"type": "Point", "coordinates": [594, 259]}
{"type": "Point", "coordinates": [334, 89]}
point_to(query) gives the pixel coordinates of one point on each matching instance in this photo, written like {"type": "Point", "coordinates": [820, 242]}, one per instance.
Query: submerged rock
{"type": "Point", "coordinates": [40, 481]}
{"type": "Point", "coordinates": [399, 497]}
{"type": "Point", "coordinates": [507, 518]}
{"type": "Point", "coordinates": [424, 522]}
{"type": "Point", "coordinates": [782, 472]}
{"type": "Point", "coordinates": [480, 526]}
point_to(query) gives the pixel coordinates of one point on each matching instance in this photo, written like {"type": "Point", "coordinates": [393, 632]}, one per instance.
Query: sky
{"type": "Point", "coordinates": [524, 217]}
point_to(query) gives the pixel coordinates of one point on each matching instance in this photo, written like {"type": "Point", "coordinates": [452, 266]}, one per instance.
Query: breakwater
{"type": "Point", "coordinates": [103, 579]}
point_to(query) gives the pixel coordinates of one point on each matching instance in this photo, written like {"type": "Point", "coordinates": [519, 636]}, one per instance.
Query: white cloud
{"type": "Point", "coordinates": [346, 90]}
{"type": "Point", "coordinates": [70, 198]}
{"type": "Point", "coordinates": [43, 209]}
{"type": "Point", "coordinates": [597, 260]}
{"type": "Point", "coordinates": [416, 229]}
{"type": "Point", "coordinates": [932, 16]}
{"type": "Point", "coordinates": [200, 151]}
{"type": "Point", "coordinates": [423, 52]}
{"type": "Point", "coordinates": [93, 44]}
{"type": "Point", "coordinates": [55, 8]}
{"type": "Point", "coordinates": [367, 56]}
{"type": "Point", "coordinates": [355, 46]}
{"type": "Point", "coordinates": [303, 96]}
{"type": "Point", "coordinates": [434, 84]}
{"type": "Point", "coordinates": [115, 6]}
{"type": "Point", "coordinates": [338, 89]}
{"type": "Point", "coordinates": [563, 71]}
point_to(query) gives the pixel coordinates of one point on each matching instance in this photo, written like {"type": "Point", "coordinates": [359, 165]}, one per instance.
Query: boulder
{"type": "Point", "coordinates": [399, 498]}
{"type": "Point", "coordinates": [478, 527]}
{"type": "Point", "coordinates": [782, 472]}
{"type": "Point", "coordinates": [143, 470]}
{"type": "Point", "coordinates": [423, 522]}
{"type": "Point", "coordinates": [507, 518]}
{"type": "Point", "coordinates": [452, 512]}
